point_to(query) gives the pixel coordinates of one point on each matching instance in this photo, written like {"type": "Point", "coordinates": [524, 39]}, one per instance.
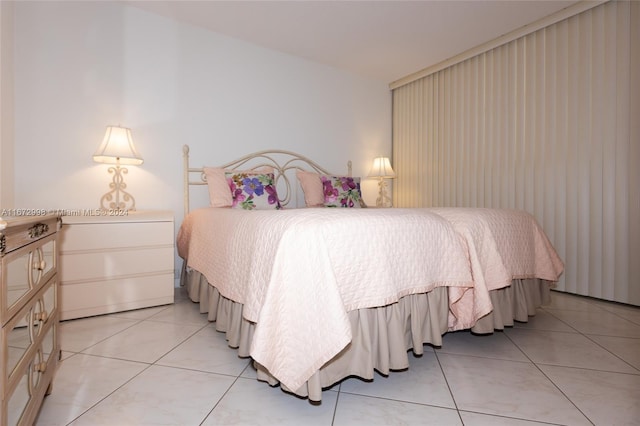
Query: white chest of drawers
{"type": "Point", "coordinates": [115, 263]}
{"type": "Point", "coordinates": [29, 347]}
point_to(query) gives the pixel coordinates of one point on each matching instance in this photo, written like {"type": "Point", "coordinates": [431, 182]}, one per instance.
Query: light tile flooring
{"type": "Point", "coordinates": [577, 362]}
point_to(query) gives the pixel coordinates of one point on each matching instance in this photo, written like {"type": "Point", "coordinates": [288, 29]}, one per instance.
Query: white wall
{"type": "Point", "coordinates": [6, 105]}
{"type": "Point", "coordinates": [80, 66]}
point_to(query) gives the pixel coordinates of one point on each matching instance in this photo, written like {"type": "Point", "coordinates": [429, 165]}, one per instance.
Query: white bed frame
{"type": "Point", "coordinates": [284, 163]}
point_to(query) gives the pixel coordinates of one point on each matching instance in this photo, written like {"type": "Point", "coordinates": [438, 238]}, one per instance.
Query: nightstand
{"type": "Point", "coordinates": [115, 262]}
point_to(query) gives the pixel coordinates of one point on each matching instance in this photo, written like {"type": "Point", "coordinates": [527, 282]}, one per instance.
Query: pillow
{"type": "Point", "coordinates": [253, 191]}
{"type": "Point", "coordinates": [219, 193]}
{"type": "Point", "coordinates": [311, 187]}
{"type": "Point", "coordinates": [341, 191]}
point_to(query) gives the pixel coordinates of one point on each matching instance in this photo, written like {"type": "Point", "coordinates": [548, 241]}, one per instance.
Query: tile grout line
{"type": "Point", "coordinates": [549, 378]}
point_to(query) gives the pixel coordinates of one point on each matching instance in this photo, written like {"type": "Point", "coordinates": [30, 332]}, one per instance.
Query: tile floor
{"type": "Point", "coordinates": [577, 362]}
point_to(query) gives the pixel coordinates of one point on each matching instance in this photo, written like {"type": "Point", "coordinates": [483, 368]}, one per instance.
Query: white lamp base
{"type": "Point", "coordinates": [383, 199]}
{"type": "Point", "coordinates": [118, 198]}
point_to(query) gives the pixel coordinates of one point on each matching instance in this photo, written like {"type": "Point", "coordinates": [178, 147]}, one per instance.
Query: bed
{"type": "Point", "coordinates": [513, 265]}
{"type": "Point", "coordinates": [314, 295]}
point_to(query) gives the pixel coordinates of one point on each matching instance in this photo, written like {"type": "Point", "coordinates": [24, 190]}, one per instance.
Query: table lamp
{"type": "Point", "coordinates": [117, 148]}
{"type": "Point", "coordinates": [382, 170]}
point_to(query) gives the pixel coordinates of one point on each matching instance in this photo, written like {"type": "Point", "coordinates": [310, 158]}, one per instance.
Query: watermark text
{"type": "Point", "coordinates": [62, 212]}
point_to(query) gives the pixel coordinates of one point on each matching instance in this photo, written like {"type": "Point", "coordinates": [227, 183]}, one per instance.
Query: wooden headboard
{"type": "Point", "coordinates": [284, 163]}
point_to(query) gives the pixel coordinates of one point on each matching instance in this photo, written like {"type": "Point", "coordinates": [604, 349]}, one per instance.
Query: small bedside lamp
{"type": "Point", "coordinates": [382, 170]}
{"type": "Point", "coordinates": [117, 148]}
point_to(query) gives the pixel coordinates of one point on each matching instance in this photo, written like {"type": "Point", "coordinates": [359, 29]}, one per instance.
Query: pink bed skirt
{"type": "Point", "coordinates": [382, 337]}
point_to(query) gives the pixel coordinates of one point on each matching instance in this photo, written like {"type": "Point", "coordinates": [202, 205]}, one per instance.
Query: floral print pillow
{"type": "Point", "coordinates": [341, 191]}
{"type": "Point", "coordinates": [253, 191]}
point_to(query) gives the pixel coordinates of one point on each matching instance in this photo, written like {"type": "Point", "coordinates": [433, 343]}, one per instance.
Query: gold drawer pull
{"type": "Point", "coordinates": [41, 316]}
{"type": "Point", "coordinates": [40, 366]}
{"type": "Point", "coordinates": [39, 265]}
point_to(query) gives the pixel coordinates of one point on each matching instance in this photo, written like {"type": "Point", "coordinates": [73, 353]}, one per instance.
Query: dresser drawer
{"type": "Point", "coordinates": [114, 263]}
{"type": "Point", "coordinates": [26, 230]}
{"type": "Point", "coordinates": [31, 340]}
{"type": "Point", "coordinates": [88, 298]}
{"type": "Point", "coordinates": [24, 271]}
{"type": "Point", "coordinates": [99, 236]}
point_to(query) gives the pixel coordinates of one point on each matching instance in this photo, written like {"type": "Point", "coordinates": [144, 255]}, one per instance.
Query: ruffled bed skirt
{"type": "Point", "coordinates": [517, 302]}
{"type": "Point", "coordinates": [382, 336]}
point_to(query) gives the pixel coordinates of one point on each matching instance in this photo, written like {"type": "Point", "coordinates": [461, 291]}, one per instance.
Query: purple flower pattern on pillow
{"type": "Point", "coordinates": [252, 185]}
{"type": "Point", "coordinates": [341, 191]}
{"type": "Point", "coordinates": [253, 191]}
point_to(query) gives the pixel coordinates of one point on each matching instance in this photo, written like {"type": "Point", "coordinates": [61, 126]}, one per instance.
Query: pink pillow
{"type": "Point", "coordinates": [219, 191]}
{"type": "Point", "coordinates": [312, 188]}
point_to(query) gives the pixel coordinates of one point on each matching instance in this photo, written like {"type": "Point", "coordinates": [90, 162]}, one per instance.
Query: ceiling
{"type": "Point", "coordinates": [381, 40]}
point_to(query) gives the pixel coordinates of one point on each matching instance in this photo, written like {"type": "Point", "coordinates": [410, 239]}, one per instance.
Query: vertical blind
{"type": "Point", "coordinates": [546, 123]}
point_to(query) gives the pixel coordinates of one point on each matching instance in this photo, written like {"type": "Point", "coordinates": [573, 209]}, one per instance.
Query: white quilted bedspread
{"type": "Point", "coordinates": [503, 245]}
{"type": "Point", "coordinates": [298, 272]}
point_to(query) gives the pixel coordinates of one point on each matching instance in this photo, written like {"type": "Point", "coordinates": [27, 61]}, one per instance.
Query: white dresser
{"type": "Point", "coordinates": [112, 263]}
{"type": "Point", "coordinates": [29, 346]}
